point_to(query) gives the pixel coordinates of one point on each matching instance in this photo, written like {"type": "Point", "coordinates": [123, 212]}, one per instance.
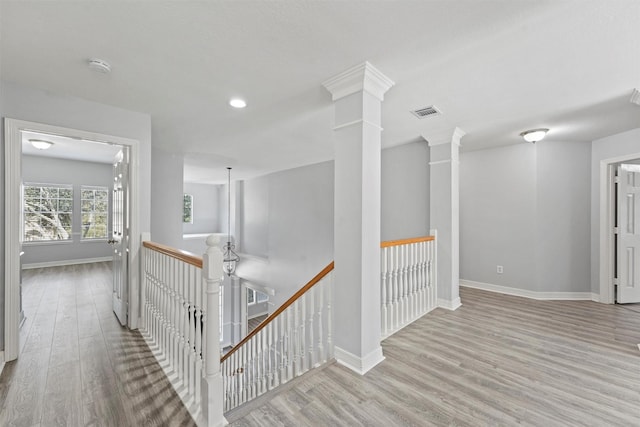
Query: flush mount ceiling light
{"type": "Point", "coordinates": [237, 103]}
{"type": "Point", "coordinates": [41, 144]}
{"type": "Point", "coordinates": [99, 66]}
{"type": "Point", "coordinates": [534, 135]}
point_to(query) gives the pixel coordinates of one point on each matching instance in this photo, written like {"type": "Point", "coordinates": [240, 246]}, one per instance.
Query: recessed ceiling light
{"type": "Point", "coordinates": [41, 144]}
{"type": "Point", "coordinates": [534, 135]}
{"type": "Point", "coordinates": [237, 103]}
{"type": "Point", "coordinates": [99, 65]}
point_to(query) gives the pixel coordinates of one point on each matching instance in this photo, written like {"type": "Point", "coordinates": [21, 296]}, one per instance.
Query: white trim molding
{"type": "Point", "coordinates": [65, 262]}
{"type": "Point", "coordinates": [362, 77]}
{"type": "Point", "coordinates": [450, 305]}
{"type": "Point", "coordinates": [359, 365]}
{"type": "Point", "coordinates": [572, 296]}
{"type": "Point", "coordinates": [1, 362]}
{"type": "Point", "coordinates": [13, 174]}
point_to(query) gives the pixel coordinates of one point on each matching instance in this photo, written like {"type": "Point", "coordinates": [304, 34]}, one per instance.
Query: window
{"type": "Point", "coordinates": [94, 204]}
{"type": "Point", "coordinates": [256, 297]}
{"type": "Point", "coordinates": [187, 209]}
{"type": "Point", "coordinates": [48, 212]}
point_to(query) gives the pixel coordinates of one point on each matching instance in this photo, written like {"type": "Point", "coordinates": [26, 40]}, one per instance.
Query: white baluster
{"type": "Point", "coordinates": [311, 343]}
{"type": "Point", "coordinates": [383, 292]}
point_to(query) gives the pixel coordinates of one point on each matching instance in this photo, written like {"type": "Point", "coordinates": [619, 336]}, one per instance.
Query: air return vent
{"type": "Point", "coordinates": [431, 111]}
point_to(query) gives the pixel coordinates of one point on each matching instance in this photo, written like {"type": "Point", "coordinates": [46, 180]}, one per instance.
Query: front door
{"type": "Point", "coordinates": [628, 246]}
{"type": "Point", "coordinates": [120, 235]}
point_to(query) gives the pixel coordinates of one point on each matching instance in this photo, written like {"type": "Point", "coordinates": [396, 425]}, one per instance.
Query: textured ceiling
{"type": "Point", "coordinates": [494, 68]}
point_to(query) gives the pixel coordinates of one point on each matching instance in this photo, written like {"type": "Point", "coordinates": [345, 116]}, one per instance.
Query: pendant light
{"type": "Point", "coordinates": [230, 257]}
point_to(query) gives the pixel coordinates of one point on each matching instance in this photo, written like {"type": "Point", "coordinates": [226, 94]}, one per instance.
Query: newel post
{"type": "Point", "coordinates": [212, 274]}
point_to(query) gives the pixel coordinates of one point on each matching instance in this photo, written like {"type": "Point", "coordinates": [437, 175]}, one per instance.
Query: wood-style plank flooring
{"type": "Point", "coordinates": [77, 365]}
{"type": "Point", "coordinates": [496, 361]}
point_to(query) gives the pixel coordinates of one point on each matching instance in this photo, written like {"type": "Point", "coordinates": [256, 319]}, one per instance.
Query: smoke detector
{"type": "Point", "coordinates": [99, 66]}
{"type": "Point", "coordinates": [430, 111]}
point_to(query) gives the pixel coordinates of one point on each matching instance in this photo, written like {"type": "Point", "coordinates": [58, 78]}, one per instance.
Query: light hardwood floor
{"type": "Point", "coordinates": [77, 365]}
{"type": "Point", "coordinates": [496, 361]}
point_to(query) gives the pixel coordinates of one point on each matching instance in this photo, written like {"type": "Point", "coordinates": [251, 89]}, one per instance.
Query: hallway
{"type": "Point", "coordinates": [77, 365]}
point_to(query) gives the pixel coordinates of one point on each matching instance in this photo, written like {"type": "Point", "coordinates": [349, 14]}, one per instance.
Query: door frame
{"type": "Point", "coordinates": [607, 221]}
{"type": "Point", "coordinates": [13, 180]}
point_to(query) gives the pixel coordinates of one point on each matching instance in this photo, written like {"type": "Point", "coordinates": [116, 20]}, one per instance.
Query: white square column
{"type": "Point", "coordinates": [358, 94]}
{"type": "Point", "coordinates": [445, 216]}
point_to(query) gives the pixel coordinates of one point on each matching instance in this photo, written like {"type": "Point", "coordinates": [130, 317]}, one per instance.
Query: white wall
{"type": "Point", "coordinates": [525, 207]}
{"type": "Point", "coordinates": [37, 169]}
{"type": "Point", "coordinates": [622, 144]}
{"type": "Point", "coordinates": [19, 102]}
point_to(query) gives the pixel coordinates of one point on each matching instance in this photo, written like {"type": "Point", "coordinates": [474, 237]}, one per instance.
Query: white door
{"type": "Point", "coordinates": [120, 235]}
{"type": "Point", "coordinates": [628, 248]}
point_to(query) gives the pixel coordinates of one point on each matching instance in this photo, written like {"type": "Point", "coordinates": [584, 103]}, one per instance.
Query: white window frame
{"type": "Point", "coordinates": [82, 212]}
{"type": "Point", "coordinates": [24, 213]}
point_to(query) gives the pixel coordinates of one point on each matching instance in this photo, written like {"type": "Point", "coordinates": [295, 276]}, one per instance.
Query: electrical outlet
{"type": "Point", "coordinates": [499, 269]}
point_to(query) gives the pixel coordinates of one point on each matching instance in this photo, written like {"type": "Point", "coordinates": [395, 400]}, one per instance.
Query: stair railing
{"type": "Point", "coordinates": [180, 308]}
{"type": "Point", "coordinates": [408, 282]}
{"type": "Point", "coordinates": [291, 341]}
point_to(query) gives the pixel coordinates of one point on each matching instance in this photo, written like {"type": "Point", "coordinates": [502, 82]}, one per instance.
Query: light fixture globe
{"type": "Point", "coordinates": [41, 144]}
{"type": "Point", "coordinates": [534, 135]}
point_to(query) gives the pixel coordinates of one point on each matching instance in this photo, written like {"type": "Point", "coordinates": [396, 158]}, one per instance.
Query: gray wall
{"type": "Point", "coordinates": [285, 221]}
{"type": "Point", "coordinates": [497, 215]}
{"type": "Point", "coordinates": [37, 169]}
{"type": "Point", "coordinates": [526, 207]}
{"type": "Point", "coordinates": [288, 219]}
{"type": "Point", "coordinates": [206, 217]}
{"type": "Point", "coordinates": [405, 191]}
{"type": "Point", "coordinates": [622, 144]}
{"type": "Point", "coordinates": [166, 197]}
{"type": "Point", "coordinates": [563, 198]}
{"type": "Point", "coordinates": [19, 102]}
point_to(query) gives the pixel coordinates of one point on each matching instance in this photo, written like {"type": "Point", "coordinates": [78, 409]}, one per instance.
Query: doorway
{"type": "Point", "coordinates": [607, 226]}
{"type": "Point", "coordinates": [14, 130]}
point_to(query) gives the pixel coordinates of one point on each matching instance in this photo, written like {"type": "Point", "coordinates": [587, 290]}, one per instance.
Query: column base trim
{"type": "Point", "coordinates": [450, 305]}
{"type": "Point", "coordinates": [359, 365]}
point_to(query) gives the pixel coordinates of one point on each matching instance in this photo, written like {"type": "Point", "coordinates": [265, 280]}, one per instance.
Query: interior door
{"type": "Point", "coordinates": [120, 235]}
{"type": "Point", "coordinates": [628, 251]}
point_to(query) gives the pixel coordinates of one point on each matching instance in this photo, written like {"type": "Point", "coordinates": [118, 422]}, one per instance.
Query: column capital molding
{"type": "Point", "coordinates": [455, 138]}
{"type": "Point", "coordinates": [362, 77]}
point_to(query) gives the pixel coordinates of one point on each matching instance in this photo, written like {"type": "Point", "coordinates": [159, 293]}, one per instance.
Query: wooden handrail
{"type": "Point", "coordinates": [280, 309]}
{"type": "Point", "coordinates": [406, 241]}
{"type": "Point", "coordinates": [185, 256]}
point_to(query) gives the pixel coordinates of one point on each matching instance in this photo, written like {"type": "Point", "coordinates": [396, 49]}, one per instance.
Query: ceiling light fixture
{"type": "Point", "coordinates": [230, 257]}
{"type": "Point", "coordinates": [41, 144]}
{"type": "Point", "coordinates": [99, 65]}
{"type": "Point", "coordinates": [534, 135]}
{"type": "Point", "coordinates": [237, 103]}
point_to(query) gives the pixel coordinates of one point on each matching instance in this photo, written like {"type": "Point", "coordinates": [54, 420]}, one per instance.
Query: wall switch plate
{"type": "Point", "coordinates": [499, 269]}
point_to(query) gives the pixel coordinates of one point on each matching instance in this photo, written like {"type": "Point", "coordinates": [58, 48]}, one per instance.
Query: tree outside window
{"type": "Point", "coordinates": [94, 204]}
{"type": "Point", "coordinates": [187, 209]}
{"type": "Point", "coordinates": [48, 212]}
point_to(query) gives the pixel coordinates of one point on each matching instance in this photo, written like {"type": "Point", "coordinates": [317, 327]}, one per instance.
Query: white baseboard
{"type": "Point", "coordinates": [450, 305]}
{"type": "Point", "coordinates": [359, 365]}
{"type": "Point", "coordinates": [1, 361]}
{"type": "Point", "coordinates": [579, 296]}
{"type": "Point", "coordinates": [65, 262]}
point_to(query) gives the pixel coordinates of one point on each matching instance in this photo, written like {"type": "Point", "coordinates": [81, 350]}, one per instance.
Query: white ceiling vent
{"type": "Point", "coordinates": [431, 111]}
